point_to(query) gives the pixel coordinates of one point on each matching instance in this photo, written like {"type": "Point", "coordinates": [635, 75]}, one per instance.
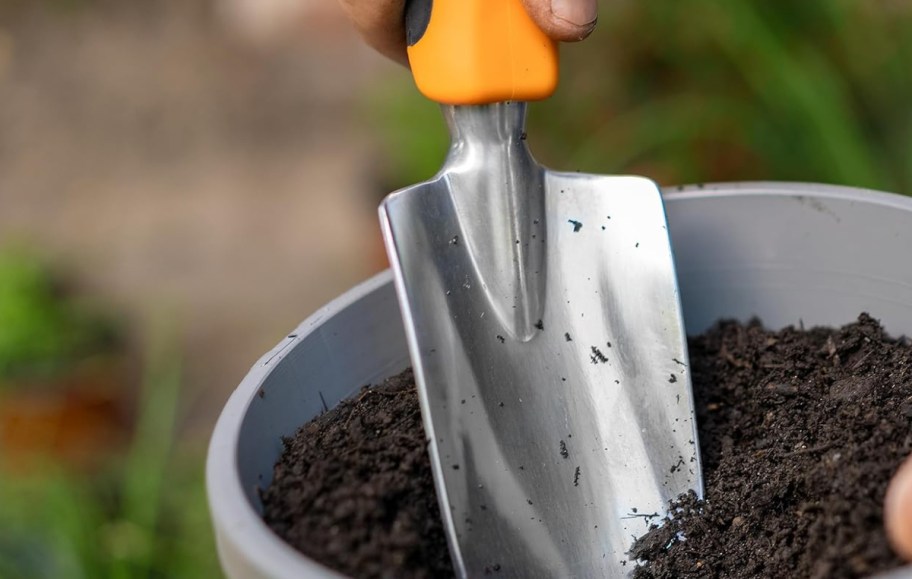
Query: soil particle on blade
{"type": "Point", "coordinates": [597, 356]}
{"type": "Point", "coordinates": [353, 488]}
{"type": "Point", "coordinates": [800, 433]}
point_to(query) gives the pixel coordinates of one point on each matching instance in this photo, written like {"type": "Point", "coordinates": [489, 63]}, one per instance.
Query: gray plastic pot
{"type": "Point", "coordinates": [788, 253]}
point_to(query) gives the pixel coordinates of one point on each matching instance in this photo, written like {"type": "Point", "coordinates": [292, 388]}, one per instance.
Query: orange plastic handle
{"type": "Point", "coordinates": [481, 51]}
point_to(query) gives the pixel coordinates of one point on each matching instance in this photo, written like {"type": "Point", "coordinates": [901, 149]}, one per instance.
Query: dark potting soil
{"type": "Point", "coordinates": [800, 433]}
{"type": "Point", "coordinates": [354, 488]}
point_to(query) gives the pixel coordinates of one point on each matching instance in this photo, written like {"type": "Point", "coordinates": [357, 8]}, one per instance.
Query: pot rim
{"type": "Point", "coordinates": [237, 523]}
{"type": "Point", "coordinates": [795, 189]}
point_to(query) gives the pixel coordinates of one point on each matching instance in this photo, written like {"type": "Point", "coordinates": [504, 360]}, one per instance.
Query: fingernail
{"type": "Point", "coordinates": [578, 12]}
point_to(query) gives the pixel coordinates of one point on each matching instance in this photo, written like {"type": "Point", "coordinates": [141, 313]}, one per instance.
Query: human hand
{"type": "Point", "coordinates": [898, 511]}
{"type": "Point", "coordinates": [382, 22]}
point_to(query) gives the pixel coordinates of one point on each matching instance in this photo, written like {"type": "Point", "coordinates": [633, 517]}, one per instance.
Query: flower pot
{"type": "Point", "coordinates": [788, 253]}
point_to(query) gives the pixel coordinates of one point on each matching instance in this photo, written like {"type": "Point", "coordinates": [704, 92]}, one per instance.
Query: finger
{"type": "Point", "coordinates": [565, 20]}
{"type": "Point", "coordinates": [898, 511]}
{"type": "Point", "coordinates": [381, 24]}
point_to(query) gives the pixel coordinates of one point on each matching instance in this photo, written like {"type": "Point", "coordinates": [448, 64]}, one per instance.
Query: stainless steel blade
{"type": "Point", "coordinates": [544, 325]}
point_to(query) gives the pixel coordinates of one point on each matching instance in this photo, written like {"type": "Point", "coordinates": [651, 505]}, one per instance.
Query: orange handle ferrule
{"type": "Point", "coordinates": [483, 51]}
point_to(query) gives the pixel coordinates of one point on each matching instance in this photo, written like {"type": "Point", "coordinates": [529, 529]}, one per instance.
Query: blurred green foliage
{"type": "Point", "coordinates": [412, 132]}
{"type": "Point", "coordinates": [712, 91]}
{"type": "Point", "coordinates": [144, 516]}
{"type": "Point", "coordinates": [42, 330]}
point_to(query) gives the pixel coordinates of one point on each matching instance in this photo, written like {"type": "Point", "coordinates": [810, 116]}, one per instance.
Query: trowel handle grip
{"type": "Point", "coordinates": [470, 52]}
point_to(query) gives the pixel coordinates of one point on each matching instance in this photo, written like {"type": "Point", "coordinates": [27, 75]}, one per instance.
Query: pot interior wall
{"type": "Point", "coordinates": [314, 370]}
{"type": "Point", "coordinates": [818, 258]}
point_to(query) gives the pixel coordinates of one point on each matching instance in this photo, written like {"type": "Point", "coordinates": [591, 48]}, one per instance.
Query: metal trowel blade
{"type": "Point", "coordinates": [545, 329]}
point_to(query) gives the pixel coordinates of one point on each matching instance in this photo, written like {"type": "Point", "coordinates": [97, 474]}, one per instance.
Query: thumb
{"type": "Point", "coordinates": [566, 20]}
{"type": "Point", "coordinates": [898, 511]}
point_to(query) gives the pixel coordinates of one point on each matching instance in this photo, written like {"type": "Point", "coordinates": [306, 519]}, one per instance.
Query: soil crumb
{"type": "Point", "coordinates": [800, 433]}
{"type": "Point", "coordinates": [353, 488]}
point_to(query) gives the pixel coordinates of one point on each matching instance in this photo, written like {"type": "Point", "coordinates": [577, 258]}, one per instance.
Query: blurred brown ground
{"type": "Point", "coordinates": [194, 160]}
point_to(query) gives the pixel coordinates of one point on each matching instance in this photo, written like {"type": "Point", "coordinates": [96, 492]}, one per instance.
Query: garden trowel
{"type": "Point", "coordinates": [542, 316]}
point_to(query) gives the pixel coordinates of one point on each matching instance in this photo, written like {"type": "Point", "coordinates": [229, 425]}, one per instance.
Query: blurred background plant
{"type": "Point", "coordinates": [90, 487]}
{"type": "Point", "coordinates": [63, 367]}
{"type": "Point", "coordinates": [43, 332]}
{"type": "Point", "coordinates": [221, 161]}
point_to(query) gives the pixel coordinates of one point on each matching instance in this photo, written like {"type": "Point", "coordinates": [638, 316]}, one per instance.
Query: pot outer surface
{"type": "Point", "coordinates": [790, 254]}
